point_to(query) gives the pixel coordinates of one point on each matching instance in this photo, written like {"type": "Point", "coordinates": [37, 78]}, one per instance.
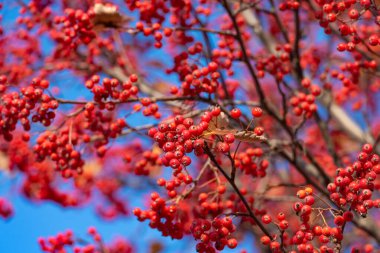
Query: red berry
{"type": "Point", "coordinates": [257, 112]}
{"type": "Point", "coordinates": [232, 243]}
{"type": "Point", "coordinates": [265, 240]}
{"type": "Point", "coordinates": [266, 219]}
{"type": "Point", "coordinates": [235, 113]}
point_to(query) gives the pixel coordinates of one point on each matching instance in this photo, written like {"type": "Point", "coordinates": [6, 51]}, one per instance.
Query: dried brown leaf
{"type": "Point", "coordinates": [220, 122]}
{"type": "Point", "coordinates": [244, 136]}
{"type": "Point", "coordinates": [108, 16]}
{"type": "Point", "coordinates": [156, 247]}
{"type": "Point", "coordinates": [4, 162]}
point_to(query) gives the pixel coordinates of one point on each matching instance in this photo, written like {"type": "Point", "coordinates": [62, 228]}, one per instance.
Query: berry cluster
{"type": "Point", "coordinates": [195, 79]}
{"type": "Point", "coordinates": [144, 165]}
{"type": "Point", "coordinates": [18, 153]}
{"type": "Point", "coordinates": [350, 78]}
{"type": "Point", "coordinates": [170, 185]}
{"type": "Point", "coordinates": [346, 15]}
{"type": "Point", "coordinates": [40, 184]}
{"type": "Point", "coordinates": [277, 66]}
{"type": "Point", "coordinates": [60, 149]}
{"type": "Point", "coordinates": [180, 10]}
{"type": "Point", "coordinates": [155, 31]}
{"type": "Point", "coordinates": [111, 89]}
{"type": "Point", "coordinates": [250, 162]}
{"type": "Point", "coordinates": [120, 246]}
{"type": "Point", "coordinates": [282, 224]}
{"type": "Point", "coordinates": [17, 107]}
{"type": "Point", "coordinates": [150, 108]}
{"type": "Point", "coordinates": [354, 185]}
{"type": "Point", "coordinates": [215, 235]}
{"type": "Point", "coordinates": [165, 218]}
{"type": "Point", "coordinates": [212, 203]}
{"type": "Point", "coordinates": [66, 240]}
{"type": "Point", "coordinates": [76, 28]}
{"type": "Point", "coordinates": [309, 229]}
{"type": "Point", "coordinates": [3, 84]}
{"type": "Point", "coordinates": [150, 11]}
{"type": "Point", "coordinates": [309, 235]}
{"type": "Point", "coordinates": [366, 248]}
{"type": "Point", "coordinates": [58, 242]}
{"type": "Point", "coordinates": [177, 138]}
{"type": "Point", "coordinates": [116, 205]}
{"type": "Point", "coordinates": [38, 11]}
{"type": "Point", "coordinates": [289, 5]}
{"type": "Point", "coordinates": [304, 104]}
{"type": "Point", "coordinates": [97, 121]}
{"type": "Point", "coordinates": [228, 50]}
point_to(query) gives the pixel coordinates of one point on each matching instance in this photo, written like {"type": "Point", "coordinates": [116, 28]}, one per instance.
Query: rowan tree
{"type": "Point", "coordinates": [230, 117]}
